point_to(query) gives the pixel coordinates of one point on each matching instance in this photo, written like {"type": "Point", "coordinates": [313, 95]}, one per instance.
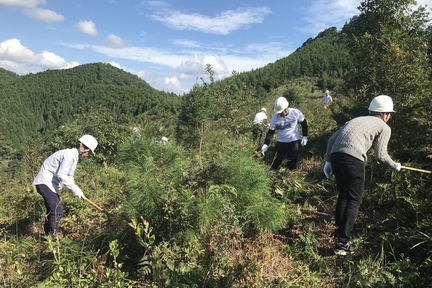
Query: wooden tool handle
{"type": "Point", "coordinates": [416, 169]}
{"type": "Point", "coordinates": [94, 204]}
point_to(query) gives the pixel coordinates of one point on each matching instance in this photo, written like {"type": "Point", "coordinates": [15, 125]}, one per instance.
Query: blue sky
{"type": "Point", "coordinates": [166, 43]}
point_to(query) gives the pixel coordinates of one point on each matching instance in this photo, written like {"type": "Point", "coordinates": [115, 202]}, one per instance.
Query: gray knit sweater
{"type": "Point", "coordinates": [358, 135]}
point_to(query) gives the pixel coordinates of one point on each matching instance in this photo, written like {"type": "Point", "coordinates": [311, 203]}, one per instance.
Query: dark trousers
{"type": "Point", "coordinates": [54, 209]}
{"type": "Point", "coordinates": [350, 179]}
{"type": "Point", "coordinates": [258, 133]}
{"type": "Point", "coordinates": [291, 150]}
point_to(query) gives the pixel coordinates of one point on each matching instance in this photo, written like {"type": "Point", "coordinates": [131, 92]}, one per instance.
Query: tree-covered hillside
{"type": "Point", "coordinates": [39, 103]}
{"type": "Point", "coordinates": [6, 76]}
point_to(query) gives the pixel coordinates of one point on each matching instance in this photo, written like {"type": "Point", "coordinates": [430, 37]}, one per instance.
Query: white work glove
{"type": "Point", "coordinates": [80, 195]}
{"type": "Point", "coordinates": [264, 148]}
{"type": "Point", "coordinates": [304, 141]}
{"type": "Point", "coordinates": [328, 171]}
{"type": "Point", "coordinates": [398, 166]}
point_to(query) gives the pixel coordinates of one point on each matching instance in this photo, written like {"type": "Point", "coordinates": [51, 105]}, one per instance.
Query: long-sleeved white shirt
{"type": "Point", "coordinates": [58, 170]}
{"type": "Point", "coordinates": [327, 99]}
{"type": "Point", "coordinates": [259, 117]}
{"type": "Point", "coordinates": [287, 126]}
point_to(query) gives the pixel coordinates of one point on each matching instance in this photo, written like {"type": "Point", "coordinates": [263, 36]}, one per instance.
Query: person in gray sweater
{"type": "Point", "coordinates": [345, 158]}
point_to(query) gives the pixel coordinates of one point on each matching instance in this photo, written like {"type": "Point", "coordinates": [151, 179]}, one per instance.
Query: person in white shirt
{"type": "Point", "coordinates": [259, 125]}
{"type": "Point", "coordinates": [326, 99]}
{"type": "Point", "coordinates": [286, 120]}
{"type": "Point", "coordinates": [164, 140]}
{"type": "Point", "coordinates": [57, 171]}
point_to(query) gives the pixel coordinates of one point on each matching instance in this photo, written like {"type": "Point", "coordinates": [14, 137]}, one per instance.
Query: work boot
{"type": "Point", "coordinates": [344, 248]}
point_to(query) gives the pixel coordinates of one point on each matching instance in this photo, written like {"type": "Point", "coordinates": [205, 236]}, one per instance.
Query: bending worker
{"type": "Point", "coordinates": [285, 121]}
{"type": "Point", "coordinates": [327, 98]}
{"type": "Point", "coordinates": [345, 158]}
{"type": "Point", "coordinates": [259, 125]}
{"type": "Point", "coordinates": [57, 171]}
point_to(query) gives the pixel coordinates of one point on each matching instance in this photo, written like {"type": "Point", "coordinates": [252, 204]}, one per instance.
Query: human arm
{"type": "Point", "coordinates": [380, 149]}
{"type": "Point", "coordinates": [304, 126]}
{"type": "Point", "coordinates": [330, 143]}
{"type": "Point", "coordinates": [328, 170]}
{"type": "Point", "coordinates": [267, 140]}
{"type": "Point", "coordinates": [65, 174]}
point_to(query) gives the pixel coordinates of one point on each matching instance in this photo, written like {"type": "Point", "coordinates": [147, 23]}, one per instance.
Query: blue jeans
{"type": "Point", "coordinates": [350, 179]}
{"type": "Point", "coordinates": [54, 209]}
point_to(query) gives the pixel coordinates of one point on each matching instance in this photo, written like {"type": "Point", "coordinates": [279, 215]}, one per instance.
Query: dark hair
{"type": "Point", "coordinates": [78, 144]}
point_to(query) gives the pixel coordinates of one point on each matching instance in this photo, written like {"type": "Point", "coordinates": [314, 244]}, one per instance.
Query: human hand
{"type": "Point", "coordinates": [264, 148]}
{"type": "Point", "coordinates": [80, 195]}
{"type": "Point", "coordinates": [398, 166]}
{"type": "Point", "coordinates": [304, 141]}
{"type": "Point", "coordinates": [328, 171]}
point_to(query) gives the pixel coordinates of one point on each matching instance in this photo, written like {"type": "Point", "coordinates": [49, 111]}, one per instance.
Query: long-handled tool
{"type": "Point", "coordinates": [256, 153]}
{"type": "Point", "coordinates": [416, 169]}
{"type": "Point", "coordinates": [99, 208]}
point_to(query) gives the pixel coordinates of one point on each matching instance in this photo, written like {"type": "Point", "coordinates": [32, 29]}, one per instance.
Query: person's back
{"type": "Point", "coordinates": [258, 122]}
{"type": "Point", "coordinates": [358, 135]}
{"type": "Point", "coordinates": [327, 98]}
{"type": "Point", "coordinates": [50, 173]}
{"type": "Point", "coordinates": [346, 157]}
{"type": "Point", "coordinates": [260, 117]}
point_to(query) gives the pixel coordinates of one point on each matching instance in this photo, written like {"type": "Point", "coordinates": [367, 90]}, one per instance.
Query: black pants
{"type": "Point", "coordinates": [350, 180]}
{"type": "Point", "coordinates": [54, 209]}
{"type": "Point", "coordinates": [258, 133]}
{"type": "Point", "coordinates": [291, 150]}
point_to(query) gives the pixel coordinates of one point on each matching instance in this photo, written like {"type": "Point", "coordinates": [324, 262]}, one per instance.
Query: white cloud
{"type": "Point", "coordinates": [53, 61]}
{"type": "Point", "coordinates": [188, 65]}
{"type": "Point", "coordinates": [115, 64]}
{"type": "Point", "coordinates": [168, 84]}
{"type": "Point", "coordinates": [22, 3]}
{"type": "Point", "coordinates": [196, 66]}
{"type": "Point", "coordinates": [44, 15]}
{"type": "Point", "coordinates": [12, 50]}
{"type": "Point", "coordinates": [114, 41]}
{"type": "Point", "coordinates": [140, 54]}
{"type": "Point", "coordinates": [172, 83]}
{"type": "Point", "coordinates": [223, 23]}
{"type": "Point", "coordinates": [186, 43]}
{"type": "Point", "coordinates": [86, 27]}
{"type": "Point", "coordinates": [30, 8]}
{"type": "Point", "coordinates": [21, 60]}
{"type": "Point", "coordinates": [323, 14]}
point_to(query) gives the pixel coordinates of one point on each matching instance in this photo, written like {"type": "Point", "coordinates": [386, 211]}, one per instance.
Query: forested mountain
{"type": "Point", "coordinates": [41, 102]}
{"type": "Point", "coordinates": [6, 76]}
{"type": "Point", "coordinates": [325, 57]}
{"type": "Point", "coordinates": [37, 104]}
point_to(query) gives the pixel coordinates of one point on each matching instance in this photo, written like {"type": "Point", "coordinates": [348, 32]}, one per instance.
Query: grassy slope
{"type": "Point", "coordinates": [300, 254]}
{"type": "Point", "coordinates": [279, 258]}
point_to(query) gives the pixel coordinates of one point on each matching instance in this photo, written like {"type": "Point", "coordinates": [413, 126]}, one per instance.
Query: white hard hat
{"type": "Point", "coordinates": [327, 91]}
{"type": "Point", "coordinates": [280, 104]}
{"type": "Point", "coordinates": [381, 103]}
{"type": "Point", "coordinates": [165, 139]}
{"type": "Point", "coordinates": [89, 141]}
{"type": "Point", "coordinates": [264, 109]}
{"type": "Point", "coordinates": [135, 129]}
